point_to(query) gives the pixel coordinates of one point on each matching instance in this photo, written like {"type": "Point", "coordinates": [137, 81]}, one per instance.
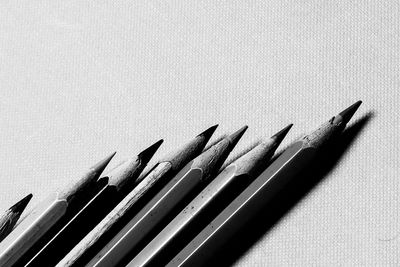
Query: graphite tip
{"type": "Point", "coordinates": [209, 132]}
{"type": "Point", "coordinates": [21, 205]}
{"type": "Point", "coordinates": [181, 156]}
{"type": "Point", "coordinates": [102, 164]}
{"type": "Point", "coordinates": [349, 112]}
{"type": "Point", "coordinates": [148, 153]}
{"type": "Point", "coordinates": [279, 136]}
{"type": "Point", "coordinates": [235, 137]}
{"type": "Point", "coordinates": [212, 159]}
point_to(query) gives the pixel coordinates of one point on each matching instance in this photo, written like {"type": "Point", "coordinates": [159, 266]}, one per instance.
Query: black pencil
{"type": "Point", "coordinates": [210, 201]}
{"type": "Point", "coordinates": [47, 215]}
{"type": "Point", "coordinates": [150, 183]}
{"type": "Point", "coordinates": [121, 180]}
{"type": "Point", "coordinates": [170, 198]}
{"type": "Point", "coordinates": [286, 167]}
{"type": "Point", "coordinates": [11, 216]}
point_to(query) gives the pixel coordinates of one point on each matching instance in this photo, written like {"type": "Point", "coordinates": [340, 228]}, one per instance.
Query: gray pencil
{"type": "Point", "coordinates": [173, 194]}
{"type": "Point", "coordinates": [121, 180]}
{"type": "Point", "coordinates": [149, 183]}
{"type": "Point", "coordinates": [11, 216]}
{"type": "Point", "coordinates": [259, 192]}
{"type": "Point", "coordinates": [48, 213]}
{"type": "Point", "coordinates": [240, 171]}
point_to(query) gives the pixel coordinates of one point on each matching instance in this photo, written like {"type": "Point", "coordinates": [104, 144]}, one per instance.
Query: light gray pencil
{"type": "Point", "coordinates": [47, 213]}
{"type": "Point", "coordinates": [240, 171]}
{"type": "Point", "coordinates": [191, 176]}
{"type": "Point", "coordinates": [11, 216]}
{"type": "Point", "coordinates": [164, 170]}
{"type": "Point", "coordinates": [259, 192]}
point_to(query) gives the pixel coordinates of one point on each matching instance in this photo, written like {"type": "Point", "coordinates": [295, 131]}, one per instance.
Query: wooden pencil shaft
{"type": "Point", "coordinates": [258, 193]}
{"type": "Point", "coordinates": [25, 236]}
{"type": "Point", "coordinates": [48, 217]}
{"type": "Point", "coordinates": [124, 211]}
{"type": "Point", "coordinates": [243, 207]}
{"type": "Point", "coordinates": [72, 208]}
{"type": "Point", "coordinates": [118, 182]}
{"type": "Point", "coordinates": [168, 202]}
{"type": "Point", "coordinates": [99, 236]}
{"type": "Point", "coordinates": [77, 227]}
{"type": "Point", "coordinates": [141, 225]}
{"type": "Point", "coordinates": [216, 196]}
{"type": "Point", "coordinates": [192, 218]}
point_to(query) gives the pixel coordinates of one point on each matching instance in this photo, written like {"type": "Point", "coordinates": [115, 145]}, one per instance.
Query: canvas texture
{"type": "Point", "coordinates": [81, 79]}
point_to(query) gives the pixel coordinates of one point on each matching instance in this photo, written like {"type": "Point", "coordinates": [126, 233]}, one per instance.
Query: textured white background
{"type": "Point", "coordinates": [79, 79]}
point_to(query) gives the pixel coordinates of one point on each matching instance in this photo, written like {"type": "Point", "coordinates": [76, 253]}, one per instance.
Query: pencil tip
{"type": "Point", "coordinates": [209, 132]}
{"type": "Point", "coordinates": [279, 136]}
{"type": "Point", "coordinates": [20, 206]}
{"type": "Point", "coordinates": [349, 112]}
{"type": "Point", "coordinates": [102, 164]}
{"type": "Point", "coordinates": [235, 137]}
{"type": "Point", "coordinates": [148, 153]}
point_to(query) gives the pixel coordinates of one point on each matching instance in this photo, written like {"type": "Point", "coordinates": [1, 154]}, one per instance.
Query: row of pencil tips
{"type": "Point", "coordinates": [178, 212]}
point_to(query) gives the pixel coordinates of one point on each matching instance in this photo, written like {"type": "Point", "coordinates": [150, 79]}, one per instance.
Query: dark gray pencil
{"type": "Point", "coordinates": [233, 177]}
{"type": "Point", "coordinates": [259, 192]}
{"type": "Point", "coordinates": [48, 213]}
{"type": "Point", "coordinates": [121, 181]}
{"type": "Point", "coordinates": [11, 216]}
{"type": "Point", "coordinates": [149, 184]}
{"type": "Point", "coordinates": [196, 172]}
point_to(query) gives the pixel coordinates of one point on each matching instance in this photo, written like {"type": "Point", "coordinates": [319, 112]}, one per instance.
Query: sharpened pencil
{"type": "Point", "coordinates": [232, 178]}
{"type": "Point", "coordinates": [286, 167]}
{"type": "Point", "coordinates": [150, 183]}
{"type": "Point", "coordinates": [48, 213]}
{"type": "Point", "coordinates": [173, 195]}
{"type": "Point", "coordinates": [121, 181]}
{"type": "Point", "coordinates": [11, 216]}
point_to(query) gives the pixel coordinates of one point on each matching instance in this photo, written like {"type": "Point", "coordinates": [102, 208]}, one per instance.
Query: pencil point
{"type": "Point", "coordinates": [102, 164]}
{"type": "Point", "coordinates": [21, 205]}
{"type": "Point", "coordinates": [148, 153]}
{"type": "Point", "coordinates": [279, 136]}
{"type": "Point", "coordinates": [349, 112]}
{"type": "Point", "coordinates": [209, 132]}
{"type": "Point", "coordinates": [235, 137]}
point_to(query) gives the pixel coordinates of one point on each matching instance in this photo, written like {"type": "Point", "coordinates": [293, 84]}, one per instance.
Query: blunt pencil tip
{"type": "Point", "coordinates": [20, 206]}
{"type": "Point", "coordinates": [149, 152]}
{"type": "Point", "coordinates": [279, 136]}
{"type": "Point", "coordinates": [349, 112]}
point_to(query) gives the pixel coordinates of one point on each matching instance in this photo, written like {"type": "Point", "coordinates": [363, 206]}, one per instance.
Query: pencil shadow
{"type": "Point", "coordinates": [270, 215]}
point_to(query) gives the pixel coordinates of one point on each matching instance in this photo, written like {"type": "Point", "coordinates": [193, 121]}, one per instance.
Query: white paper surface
{"type": "Point", "coordinates": [80, 79]}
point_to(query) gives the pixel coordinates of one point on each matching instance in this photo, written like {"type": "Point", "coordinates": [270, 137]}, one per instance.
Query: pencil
{"type": "Point", "coordinates": [121, 180]}
{"type": "Point", "coordinates": [150, 183]}
{"type": "Point", "coordinates": [259, 192]}
{"type": "Point", "coordinates": [184, 226]}
{"type": "Point", "coordinates": [11, 216]}
{"type": "Point", "coordinates": [46, 215]}
{"type": "Point", "coordinates": [169, 198]}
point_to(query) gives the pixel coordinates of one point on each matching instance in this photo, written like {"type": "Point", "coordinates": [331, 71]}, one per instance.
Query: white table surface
{"type": "Point", "coordinates": [80, 79]}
